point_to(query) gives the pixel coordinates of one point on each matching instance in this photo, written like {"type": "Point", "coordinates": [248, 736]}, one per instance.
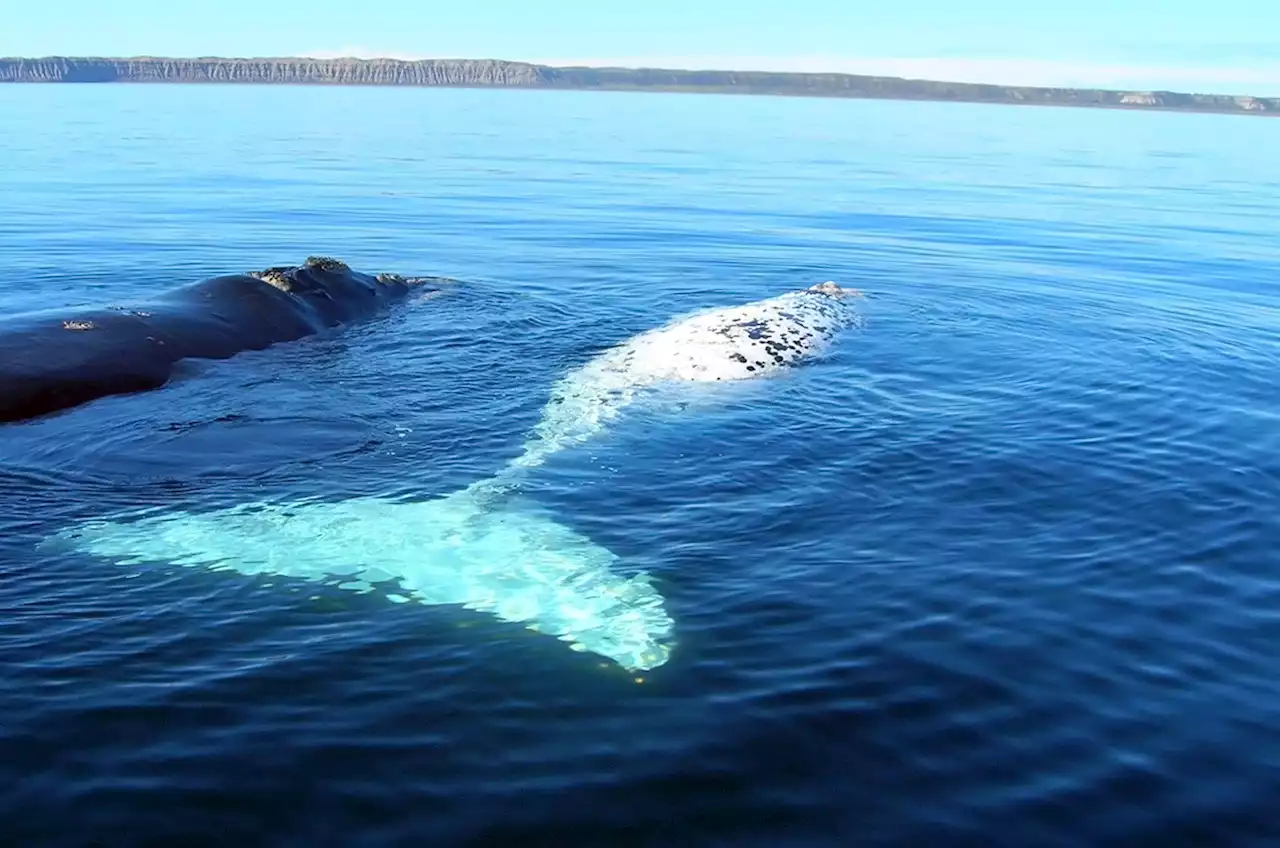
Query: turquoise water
{"type": "Point", "coordinates": [999, 569]}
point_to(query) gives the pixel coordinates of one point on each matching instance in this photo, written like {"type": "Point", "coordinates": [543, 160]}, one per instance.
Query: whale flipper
{"type": "Point", "coordinates": [509, 561]}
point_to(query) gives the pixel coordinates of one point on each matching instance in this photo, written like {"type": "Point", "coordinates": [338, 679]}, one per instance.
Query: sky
{"type": "Point", "coordinates": [1224, 46]}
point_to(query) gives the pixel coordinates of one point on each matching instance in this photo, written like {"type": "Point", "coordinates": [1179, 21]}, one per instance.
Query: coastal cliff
{"type": "Point", "coordinates": [503, 74]}
{"type": "Point", "coordinates": [435, 72]}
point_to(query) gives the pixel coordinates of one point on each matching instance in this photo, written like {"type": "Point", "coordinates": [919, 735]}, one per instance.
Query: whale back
{"type": "Point", "coordinates": [711, 345]}
{"type": "Point", "coordinates": [739, 342]}
{"type": "Point", "coordinates": [60, 358]}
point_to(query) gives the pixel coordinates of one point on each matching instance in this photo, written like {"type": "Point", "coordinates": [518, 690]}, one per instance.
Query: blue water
{"type": "Point", "coordinates": [1002, 569]}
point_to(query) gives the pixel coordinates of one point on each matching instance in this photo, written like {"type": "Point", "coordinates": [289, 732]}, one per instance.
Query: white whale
{"type": "Point", "coordinates": [743, 342]}
{"type": "Point", "coordinates": [481, 547]}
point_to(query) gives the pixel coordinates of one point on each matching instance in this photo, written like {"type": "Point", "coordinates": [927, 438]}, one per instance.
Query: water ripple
{"type": "Point", "coordinates": [999, 570]}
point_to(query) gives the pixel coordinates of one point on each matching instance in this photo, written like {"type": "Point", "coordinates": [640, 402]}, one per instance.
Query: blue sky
{"type": "Point", "coordinates": [1224, 46]}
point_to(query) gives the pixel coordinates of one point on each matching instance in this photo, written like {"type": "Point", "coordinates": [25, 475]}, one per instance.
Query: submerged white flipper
{"type": "Point", "coordinates": [514, 563]}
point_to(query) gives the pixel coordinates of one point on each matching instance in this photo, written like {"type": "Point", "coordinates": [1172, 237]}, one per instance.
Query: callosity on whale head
{"type": "Point", "coordinates": [834, 290]}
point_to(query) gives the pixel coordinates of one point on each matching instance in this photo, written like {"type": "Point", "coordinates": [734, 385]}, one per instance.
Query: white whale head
{"type": "Point", "coordinates": [713, 345]}
{"type": "Point", "coordinates": [830, 288]}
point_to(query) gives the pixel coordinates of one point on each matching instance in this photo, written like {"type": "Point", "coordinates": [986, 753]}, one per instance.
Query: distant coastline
{"type": "Point", "coordinates": [494, 73]}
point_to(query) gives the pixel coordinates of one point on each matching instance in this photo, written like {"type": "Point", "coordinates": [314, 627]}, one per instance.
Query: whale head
{"type": "Point", "coordinates": [831, 289]}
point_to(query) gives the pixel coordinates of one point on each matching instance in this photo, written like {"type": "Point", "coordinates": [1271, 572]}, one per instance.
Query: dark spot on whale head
{"type": "Point", "coordinates": [751, 368]}
{"type": "Point", "coordinates": [275, 277]}
{"type": "Point", "coordinates": [326, 263]}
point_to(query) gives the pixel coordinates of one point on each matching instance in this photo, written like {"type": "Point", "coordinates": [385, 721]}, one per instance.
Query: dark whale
{"type": "Point", "coordinates": [56, 359]}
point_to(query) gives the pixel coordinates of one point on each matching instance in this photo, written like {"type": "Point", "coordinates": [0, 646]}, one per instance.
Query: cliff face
{"type": "Point", "coordinates": [441, 72]}
{"type": "Point", "coordinates": [497, 73]}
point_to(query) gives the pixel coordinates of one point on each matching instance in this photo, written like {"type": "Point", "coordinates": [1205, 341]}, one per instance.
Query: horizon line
{"type": "Point", "coordinates": [336, 56]}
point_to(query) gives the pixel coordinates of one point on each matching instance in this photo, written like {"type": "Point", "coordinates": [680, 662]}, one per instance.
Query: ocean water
{"type": "Point", "coordinates": [1002, 568]}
